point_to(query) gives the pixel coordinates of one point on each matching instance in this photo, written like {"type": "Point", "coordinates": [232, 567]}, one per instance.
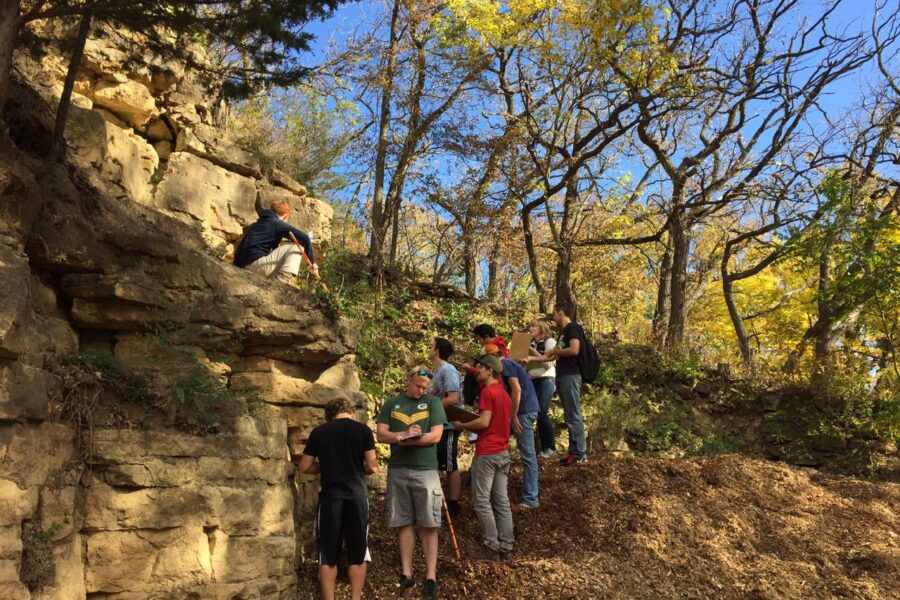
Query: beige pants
{"type": "Point", "coordinates": [283, 262]}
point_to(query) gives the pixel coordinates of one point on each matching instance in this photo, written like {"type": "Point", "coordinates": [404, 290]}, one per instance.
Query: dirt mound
{"type": "Point", "coordinates": [724, 527]}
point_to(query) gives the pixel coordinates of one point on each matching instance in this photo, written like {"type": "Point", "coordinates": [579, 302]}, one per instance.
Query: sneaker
{"type": "Point", "coordinates": [572, 459]}
{"type": "Point", "coordinates": [547, 453]}
{"type": "Point", "coordinates": [487, 555]}
{"type": "Point", "coordinates": [506, 554]}
{"type": "Point", "coordinates": [406, 583]}
{"type": "Point", "coordinates": [429, 590]}
{"type": "Point", "coordinates": [527, 505]}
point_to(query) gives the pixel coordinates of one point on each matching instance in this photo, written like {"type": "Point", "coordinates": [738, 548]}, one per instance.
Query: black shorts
{"type": "Point", "coordinates": [447, 450]}
{"type": "Point", "coordinates": [338, 520]}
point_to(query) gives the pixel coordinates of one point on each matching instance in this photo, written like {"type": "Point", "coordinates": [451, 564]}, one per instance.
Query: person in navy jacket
{"type": "Point", "coordinates": [261, 250]}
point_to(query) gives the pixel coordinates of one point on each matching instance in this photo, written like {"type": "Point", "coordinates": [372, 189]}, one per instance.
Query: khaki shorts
{"type": "Point", "coordinates": [413, 497]}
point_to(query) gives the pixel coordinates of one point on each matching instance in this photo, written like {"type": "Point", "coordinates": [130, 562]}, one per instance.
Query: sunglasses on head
{"type": "Point", "coordinates": [424, 373]}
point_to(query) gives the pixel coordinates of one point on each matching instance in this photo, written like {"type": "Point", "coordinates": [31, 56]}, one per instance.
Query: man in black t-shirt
{"type": "Point", "coordinates": [568, 380]}
{"type": "Point", "coordinates": [343, 451]}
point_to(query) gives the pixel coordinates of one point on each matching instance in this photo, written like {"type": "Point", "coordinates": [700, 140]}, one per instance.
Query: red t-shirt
{"type": "Point", "coordinates": [494, 439]}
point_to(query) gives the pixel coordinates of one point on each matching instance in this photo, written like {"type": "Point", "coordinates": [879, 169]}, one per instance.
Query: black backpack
{"type": "Point", "coordinates": [588, 360]}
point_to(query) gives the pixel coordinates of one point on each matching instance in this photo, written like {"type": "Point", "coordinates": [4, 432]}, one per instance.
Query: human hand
{"type": "Point", "coordinates": [517, 427]}
{"type": "Point", "coordinates": [457, 424]}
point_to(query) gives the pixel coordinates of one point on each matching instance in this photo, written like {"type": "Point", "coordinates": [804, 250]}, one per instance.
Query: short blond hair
{"type": "Point", "coordinates": [544, 326]}
{"type": "Point", "coordinates": [415, 371]}
{"type": "Point", "coordinates": [280, 207]}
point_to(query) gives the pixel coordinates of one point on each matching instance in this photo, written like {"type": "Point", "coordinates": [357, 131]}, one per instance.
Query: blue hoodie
{"type": "Point", "coordinates": [264, 236]}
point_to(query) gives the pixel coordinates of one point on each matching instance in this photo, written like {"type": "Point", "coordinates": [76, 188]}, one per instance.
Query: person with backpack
{"type": "Point", "coordinates": [572, 343]}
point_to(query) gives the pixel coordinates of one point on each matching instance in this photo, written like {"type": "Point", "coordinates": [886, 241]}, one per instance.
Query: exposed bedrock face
{"type": "Point", "coordinates": [120, 251]}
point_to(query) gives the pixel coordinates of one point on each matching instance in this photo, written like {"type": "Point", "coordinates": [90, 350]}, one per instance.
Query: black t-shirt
{"type": "Point", "coordinates": [340, 446]}
{"type": "Point", "coordinates": [568, 365]}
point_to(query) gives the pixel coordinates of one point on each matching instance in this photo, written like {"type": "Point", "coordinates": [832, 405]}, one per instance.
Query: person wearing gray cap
{"type": "Point", "coordinates": [490, 466]}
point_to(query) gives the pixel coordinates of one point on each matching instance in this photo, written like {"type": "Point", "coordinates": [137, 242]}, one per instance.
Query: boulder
{"type": "Point", "coordinates": [208, 193]}
{"type": "Point", "coordinates": [157, 560]}
{"type": "Point", "coordinates": [164, 149]}
{"type": "Point", "coordinates": [158, 130]}
{"type": "Point", "coordinates": [214, 145]}
{"type": "Point", "coordinates": [283, 180]}
{"type": "Point", "coordinates": [129, 100]}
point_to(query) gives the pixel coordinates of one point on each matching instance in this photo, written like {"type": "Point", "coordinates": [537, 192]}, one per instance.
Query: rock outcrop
{"type": "Point", "coordinates": [119, 252]}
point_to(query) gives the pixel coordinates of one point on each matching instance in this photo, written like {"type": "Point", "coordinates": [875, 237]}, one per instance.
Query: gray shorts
{"type": "Point", "coordinates": [413, 497]}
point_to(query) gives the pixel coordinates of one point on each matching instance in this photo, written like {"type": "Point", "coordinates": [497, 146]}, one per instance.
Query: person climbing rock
{"type": "Point", "coordinates": [261, 250]}
{"type": "Point", "coordinates": [412, 424]}
{"type": "Point", "coordinates": [343, 452]}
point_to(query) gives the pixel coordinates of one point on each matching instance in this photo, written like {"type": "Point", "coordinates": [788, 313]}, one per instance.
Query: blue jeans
{"type": "Point", "coordinates": [545, 386]}
{"type": "Point", "coordinates": [569, 387]}
{"type": "Point", "coordinates": [528, 456]}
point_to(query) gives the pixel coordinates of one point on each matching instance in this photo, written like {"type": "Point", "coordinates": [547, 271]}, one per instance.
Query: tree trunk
{"type": "Point", "coordinates": [9, 33]}
{"type": "Point", "coordinates": [376, 242]}
{"type": "Point", "coordinates": [563, 280]}
{"type": "Point", "coordinates": [824, 334]}
{"type": "Point", "coordinates": [661, 313]}
{"type": "Point", "coordinates": [737, 321]}
{"type": "Point", "coordinates": [566, 238]}
{"type": "Point", "coordinates": [681, 244]}
{"type": "Point", "coordinates": [65, 100]}
{"type": "Point", "coordinates": [493, 270]}
{"type": "Point", "coordinates": [470, 265]}
{"type": "Point", "coordinates": [533, 263]}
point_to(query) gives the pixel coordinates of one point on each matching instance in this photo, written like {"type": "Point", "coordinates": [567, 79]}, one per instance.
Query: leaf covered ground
{"type": "Point", "coordinates": [722, 527]}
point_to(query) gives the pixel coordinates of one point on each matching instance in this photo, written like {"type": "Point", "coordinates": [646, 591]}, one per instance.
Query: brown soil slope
{"type": "Point", "coordinates": [725, 527]}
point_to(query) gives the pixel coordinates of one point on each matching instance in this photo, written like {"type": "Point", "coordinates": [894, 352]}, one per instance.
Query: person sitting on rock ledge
{"type": "Point", "coordinates": [261, 251]}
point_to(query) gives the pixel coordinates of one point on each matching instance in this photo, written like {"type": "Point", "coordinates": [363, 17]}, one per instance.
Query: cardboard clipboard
{"type": "Point", "coordinates": [455, 413]}
{"type": "Point", "coordinates": [518, 347]}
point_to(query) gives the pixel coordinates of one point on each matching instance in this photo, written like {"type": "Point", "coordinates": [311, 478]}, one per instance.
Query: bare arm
{"type": "Point", "coordinates": [371, 462]}
{"type": "Point", "coordinates": [450, 398]}
{"type": "Point", "coordinates": [571, 350]}
{"type": "Point", "coordinates": [479, 424]}
{"type": "Point", "coordinates": [308, 465]}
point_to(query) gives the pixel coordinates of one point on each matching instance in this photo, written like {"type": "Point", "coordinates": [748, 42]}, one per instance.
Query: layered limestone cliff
{"type": "Point", "coordinates": [123, 241]}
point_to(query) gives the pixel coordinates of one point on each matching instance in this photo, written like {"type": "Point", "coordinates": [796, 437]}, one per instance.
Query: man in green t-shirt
{"type": "Point", "coordinates": [412, 424]}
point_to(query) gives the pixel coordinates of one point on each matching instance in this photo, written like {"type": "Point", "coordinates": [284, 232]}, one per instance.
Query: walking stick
{"type": "Point", "coordinates": [450, 527]}
{"type": "Point", "coordinates": [308, 262]}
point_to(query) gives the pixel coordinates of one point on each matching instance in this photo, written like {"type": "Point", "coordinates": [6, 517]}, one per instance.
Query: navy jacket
{"type": "Point", "coordinates": [264, 236]}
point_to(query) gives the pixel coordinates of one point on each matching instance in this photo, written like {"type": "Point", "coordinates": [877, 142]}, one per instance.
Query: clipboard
{"type": "Point", "coordinates": [410, 437]}
{"type": "Point", "coordinates": [518, 347]}
{"type": "Point", "coordinates": [455, 413]}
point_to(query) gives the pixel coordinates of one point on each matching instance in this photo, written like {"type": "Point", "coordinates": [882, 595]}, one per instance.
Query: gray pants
{"type": "Point", "coordinates": [488, 475]}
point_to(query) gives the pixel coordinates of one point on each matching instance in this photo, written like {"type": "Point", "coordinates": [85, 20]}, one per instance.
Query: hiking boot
{"type": "Point", "coordinates": [527, 505]}
{"type": "Point", "coordinates": [453, 508]}
{"type": "Point", "coordinates": [487, 555]}
{"type": "Point", "coordinates": [429, 590]}
{"type": "Point", "coordinates": [406, 583]}
{"type": "Point", "coordinates": [506, 554]}
{"type": "Point", "coordinates": [572, 459]}
{"type": "Point", "coordinates": [547, 453]}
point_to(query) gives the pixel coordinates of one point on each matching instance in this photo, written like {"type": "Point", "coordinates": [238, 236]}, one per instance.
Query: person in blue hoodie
{"type": "Point", "coordinates": [261, 250]}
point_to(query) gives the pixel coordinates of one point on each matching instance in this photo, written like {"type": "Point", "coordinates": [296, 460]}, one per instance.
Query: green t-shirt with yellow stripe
{"type": "Point", "coordinates": [401, 413]}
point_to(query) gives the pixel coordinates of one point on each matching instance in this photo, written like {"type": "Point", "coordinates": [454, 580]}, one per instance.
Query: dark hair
{"type": "Point", "coordinates": [444, 347]}
{"type": "Point", "coordinates": [484, 330]}
{"type": "Point", "coordinates": [336, 407]}
{"type": "Point", "coordinates": [565, 308]}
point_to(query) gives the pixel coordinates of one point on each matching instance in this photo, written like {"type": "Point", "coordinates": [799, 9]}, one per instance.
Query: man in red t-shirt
{"type": "Point", "coordinates": [490, 467]}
